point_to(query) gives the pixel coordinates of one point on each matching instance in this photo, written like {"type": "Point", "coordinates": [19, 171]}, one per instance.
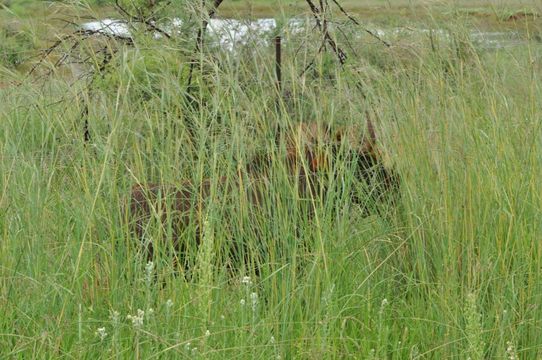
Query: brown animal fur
{"type": "Point", "coordinates": [382, 182]}
{"type": "Point", "coordinates": [305, 157]}
{"type": "Point", "coordinates": [186, 202]}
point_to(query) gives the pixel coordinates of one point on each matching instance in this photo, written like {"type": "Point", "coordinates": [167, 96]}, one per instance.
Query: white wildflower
{"type": "Point", "coordinates": [207, 333]}
{"type": "Point", "coordinates": [169, 304]}
{"type": "Point", "coordinates": [149, 269]}
{"type": "Point", "coordinates": [137, 320]}
{"type": "Point", "coordinates": [254, 298]}
{"type": "Point", "coordinates": [101, 333]}
{"type": "Point", "coordinates": [115, 317]}
{"type": "Point", "coordinates": [246, 280]}
{"type": "Point", "coordinates": [187, 346]}
{"type": "Point", "coordinates": [511, 351]}
{"type": "Point", "coordinates": [272, 340]}
{"type": "Point", "coordinates": [242, 302]}
{"type": "Point", "coordinates": [150, 313]}
{"type": "Point", "coordinates": [383, 305]}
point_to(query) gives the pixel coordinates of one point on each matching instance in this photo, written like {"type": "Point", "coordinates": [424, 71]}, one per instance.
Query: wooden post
{"type": "Point", "coordinates": [278, 63]}
{"type": "Point", "coordinates": [84, 116]}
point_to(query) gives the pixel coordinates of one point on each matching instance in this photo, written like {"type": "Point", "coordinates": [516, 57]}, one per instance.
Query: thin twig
{"type": "Point", "coordinates": [141, 19]}
{"type": "Point", "coordinates": [311, 63]}
{"type": "Point", "coordinates": [200, 38]}
{"type": "Point", "coordinates": [317, 14]}
{"type": "Point", "coordinates": [355, 21]}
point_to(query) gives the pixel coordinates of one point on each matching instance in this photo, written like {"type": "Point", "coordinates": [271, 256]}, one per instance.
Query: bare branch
{"type": "Point", "coordinates": [355, 21]}
{"type": "Point", "coordinates": [141, 19]}
{"type": "Point", "coordinates": [317, 14]}
{"type": "Point", "coordinates": [200, 37]}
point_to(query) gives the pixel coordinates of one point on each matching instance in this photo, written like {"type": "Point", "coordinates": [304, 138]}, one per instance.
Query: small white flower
{"type": "Point", "coordinates": [115, 316]}
{"type": "Point", "coordinates": [137, 320]}
{"type": "Point", "coordinates": [187, 346]}
{"type": "Point", "coordinates": [383, 305]}
{"type": "Point", "coordinates": [242, 302]}
{"type": "Point", "coordinates": [246, 280]}
{"type": "Point", "coordinates": [101, 333]}
{"type": "Point", "coordinates": [150, 312]}
{"type": "Point", "coordinates": [169, 304]}
{"type": "Point", "coordinates": [194, 351]}
{"type": "Point", "coordinates": [254, 298]}
{"type": "Point", "coordinates": [511, 351]}
{"type": "Point", "coordinates": [149, 268]}
{"type": "Point", "coordinates": [207, 333]}
{"type": "Point", "coordinates": [272, 340]}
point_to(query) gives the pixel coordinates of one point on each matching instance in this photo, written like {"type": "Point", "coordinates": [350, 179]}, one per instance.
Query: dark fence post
{"type": "Point", "coordinates": [278, 63]}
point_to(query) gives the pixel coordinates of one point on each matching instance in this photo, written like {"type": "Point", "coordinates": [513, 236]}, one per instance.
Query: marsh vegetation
{"type": "Point", "coordinates": [449, 269]}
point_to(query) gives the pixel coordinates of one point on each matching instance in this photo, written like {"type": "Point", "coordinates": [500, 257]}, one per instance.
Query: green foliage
{"type": "Point", "coordinates": [473, 329]}
{"type": "Point", "coordinates": [143, 7]}
{"type": "Point", "coordinates": [144, 73]}
{"type": "Point", "coordinates": [15, 46]}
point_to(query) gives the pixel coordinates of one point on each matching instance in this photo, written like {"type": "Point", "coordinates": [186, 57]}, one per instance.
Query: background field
{"type": "Point", "coordinates": [390, 11]}
{"type": "Point", "coordinates": [453, 271]}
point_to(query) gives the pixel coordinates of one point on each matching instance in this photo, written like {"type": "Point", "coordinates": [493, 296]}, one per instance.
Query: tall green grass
{"type": "Point", "coordinates": [451, 271]}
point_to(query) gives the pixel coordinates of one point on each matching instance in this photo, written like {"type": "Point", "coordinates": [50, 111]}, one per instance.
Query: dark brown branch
{"type": "Point", "coordinates": [315, 11]}
{"type": "Point", "coordinates": [355, 21]}
{"type": "Point", "coordinates": [311, 64]}
{"type": "Point", "coordinates": [78, 37]}
{"type": "Point", "coordinates": [200, 37]}
{"type": "Point", "coordinates": [141, 19]}
{"type": "Point", "coordinates": [317, 14]}
{"type": "Point", "coordinates": [46, 53]}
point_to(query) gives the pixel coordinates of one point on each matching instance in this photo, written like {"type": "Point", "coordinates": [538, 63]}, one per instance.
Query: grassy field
{"type": "Point", "coordinates": [482, 13]}
{"type": "Point", "coordinates": [452, 271]}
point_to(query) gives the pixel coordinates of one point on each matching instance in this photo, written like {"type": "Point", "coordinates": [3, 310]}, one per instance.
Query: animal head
{"type": "Point", "coordinates": [361, 147]}
{"type": "Point", "coordinates": [306, 145]}
{"type": "Point", "coordinates": [359, 140]}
